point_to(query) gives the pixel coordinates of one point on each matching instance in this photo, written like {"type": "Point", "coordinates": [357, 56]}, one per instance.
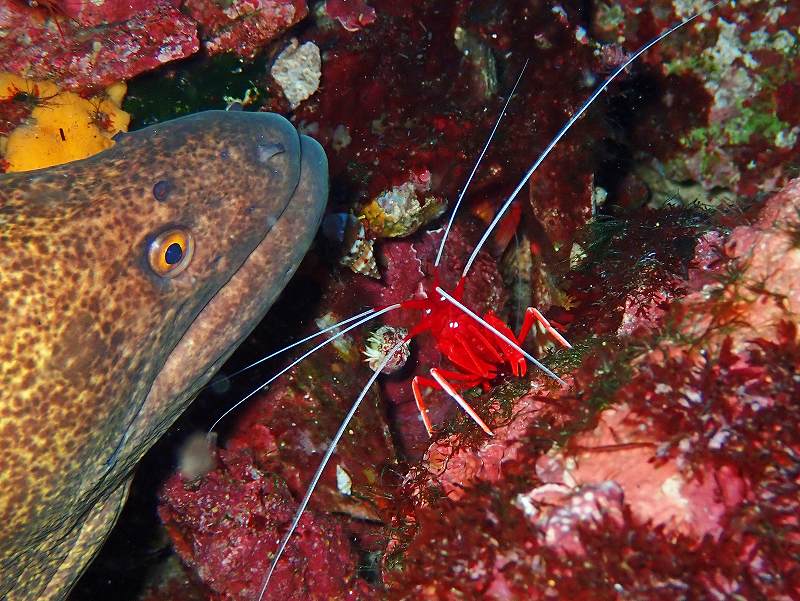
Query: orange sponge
{"type": "Point", "coordinates": [62, 126]}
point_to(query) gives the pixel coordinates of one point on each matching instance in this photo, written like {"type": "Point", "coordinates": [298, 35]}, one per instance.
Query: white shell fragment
{"type": "Point", "coordinates": [343, 481]}
{"type": "Point", "coordinates": [297, 70]}
{"type": "Point", "coordinates": [196, 456]}
{"type": "Point", "coordinates": [360, 258]}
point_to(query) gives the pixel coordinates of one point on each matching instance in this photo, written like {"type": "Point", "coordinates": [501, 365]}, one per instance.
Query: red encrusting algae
{"type": "Point", "coordinates": [217, 526]}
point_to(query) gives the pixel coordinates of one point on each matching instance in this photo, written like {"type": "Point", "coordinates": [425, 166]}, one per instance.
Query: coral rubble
{"type": "Point", "coordinates": [243, 26]}
{"type": "Point", "coordinates": [297, 71]}
{"type": "Point", "coordinates": [90, 45]}
{"type": "Point", "coordinates": [739, 70]}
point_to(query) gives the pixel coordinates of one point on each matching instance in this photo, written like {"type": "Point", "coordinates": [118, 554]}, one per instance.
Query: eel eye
{"type": "Point", "coordinates": [171, 252]}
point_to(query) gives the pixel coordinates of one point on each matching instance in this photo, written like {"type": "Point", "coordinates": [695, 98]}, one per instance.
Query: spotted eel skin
{"type": "Point", "coordinates": [99, 351]}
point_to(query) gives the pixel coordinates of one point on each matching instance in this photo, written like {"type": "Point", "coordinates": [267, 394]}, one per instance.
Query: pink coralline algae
{"type": "Point", "coordinates": [227, 524]}
{"type": "Point", "coordinates": [454, 466]}
{"type": "Point", "coordinates": [426, 107]}
{"type": "Point", "coordinates": [92, 14]}
{"type": "Point", "coordinates": [86, 45]}
{"type": "Point", "coordinates": [243, 26]}
{"type": "Point", "coordinates": [655, 492]}
{"type": "Point", "coordinates": [90, 45]}
{"type": "Point", "coordinates": [217, 525]}
{"type": "Point", "coordinates": [283, 433]}
{"type": "Point", "coordinates": [668, 466]}
{"type": "Point", "coordinates": [287, 429]}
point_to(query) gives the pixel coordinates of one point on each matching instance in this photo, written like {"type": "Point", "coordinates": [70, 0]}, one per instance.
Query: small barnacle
{"type": "Point", "coordinates": [380, 342]}
{"type": "Point", "coordinates": [402, 210]}
{"type": "Point", "coordinates": [361, 258]}
{"type": "Point", "coordinates": [359, 255]}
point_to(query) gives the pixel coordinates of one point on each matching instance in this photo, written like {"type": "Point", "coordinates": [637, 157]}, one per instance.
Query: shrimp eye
{"type": "Point", "coordinates": [171, 252]}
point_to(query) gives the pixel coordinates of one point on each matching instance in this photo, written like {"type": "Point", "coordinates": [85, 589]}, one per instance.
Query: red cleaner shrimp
{"type": "Point", "coordinates": [478, 347]}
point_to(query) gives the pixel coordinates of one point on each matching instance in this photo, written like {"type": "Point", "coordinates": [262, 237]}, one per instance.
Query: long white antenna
{"type": "Point", "coordinates": [565, 128]}
{"type": "Point", "coordinates": [361, 321]}
{"type": "Point", "coordinates": [323, 464]}
{"type": "Point", "coordinates": [475, 168]}
{"type": "Point", "coordinates": [291, 346]}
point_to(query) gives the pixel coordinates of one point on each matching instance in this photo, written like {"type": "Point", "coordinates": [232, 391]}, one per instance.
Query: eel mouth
{"type": "Point", "coordinates": [236, 308]}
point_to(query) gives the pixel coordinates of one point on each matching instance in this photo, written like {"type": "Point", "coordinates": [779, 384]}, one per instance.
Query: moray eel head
{"type": "Point", "coordinates": [127, 280]}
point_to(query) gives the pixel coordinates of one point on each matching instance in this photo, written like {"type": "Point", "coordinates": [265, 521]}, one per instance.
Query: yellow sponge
{"type": "Point", "coordinates": [62, 126]}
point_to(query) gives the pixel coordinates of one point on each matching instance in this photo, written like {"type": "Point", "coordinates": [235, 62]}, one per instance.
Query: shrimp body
{"type": "Point", "coordinates": [464, 344]}
{"type": "Point", "coordinates": [478, 355]}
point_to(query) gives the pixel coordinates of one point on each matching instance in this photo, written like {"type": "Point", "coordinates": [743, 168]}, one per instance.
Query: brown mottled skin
{"type": "Point", "coordinates": [99, 354]}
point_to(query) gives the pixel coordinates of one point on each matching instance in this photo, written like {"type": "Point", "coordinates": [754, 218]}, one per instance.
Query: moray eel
{"type": "Point", "coordinates": [126, 280]}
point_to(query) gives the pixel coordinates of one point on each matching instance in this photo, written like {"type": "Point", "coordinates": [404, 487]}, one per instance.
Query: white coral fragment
{"type": "Point", "coordinates": [298, 70]}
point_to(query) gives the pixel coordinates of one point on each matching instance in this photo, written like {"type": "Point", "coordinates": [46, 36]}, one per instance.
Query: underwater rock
{"type": "Point", "coordinates": [461, 526]}
{"type": "Point", "coordinates": [453, 467]}
{"type": "Point", "coordinates": [646, 307]}
{"type": "Point", "coordinates": [173, 581]}
{"type": "Point", "coordinates": [756, 285]}
{"type": "Point", "coordinates": [88, 45]}
{"type": "Point", "coordinates": [560, 520]}
{"type": "Point", "coordinates": [287, 429]}
{"type": "Point", "coordinates": [656, 491]}
{"type": "Point", "coordinates": [222, 528]}
{"type": "Point", "coordinates": [243, 26]}
{"type": "Point", "coordinates": [426, 110]}
{"type": "Point", "coordinates": [227, 526]}
{"type": "Point", "coordinates": [738, 70]}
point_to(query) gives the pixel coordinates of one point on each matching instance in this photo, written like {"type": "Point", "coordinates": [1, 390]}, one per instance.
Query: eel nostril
{"type": "Point", "coordinates": [161, 190]}
{"type": "Point", "coordinates": [265, 152]}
